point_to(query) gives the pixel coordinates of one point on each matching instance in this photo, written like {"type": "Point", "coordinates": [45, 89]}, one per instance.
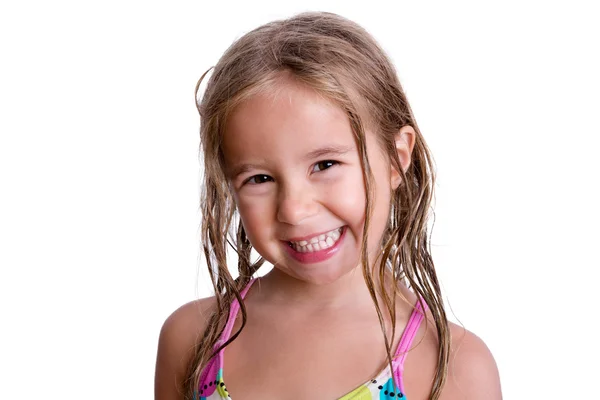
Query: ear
{"type": "Point", "coordinates": [405, 141]}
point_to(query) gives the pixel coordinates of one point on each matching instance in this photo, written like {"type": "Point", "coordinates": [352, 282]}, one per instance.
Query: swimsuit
{"type": "Point", "coordinates": [212, 387]}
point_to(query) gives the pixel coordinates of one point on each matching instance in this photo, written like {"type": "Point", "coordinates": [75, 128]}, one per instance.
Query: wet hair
{"type": "Point", "coordinates": [339, 60]}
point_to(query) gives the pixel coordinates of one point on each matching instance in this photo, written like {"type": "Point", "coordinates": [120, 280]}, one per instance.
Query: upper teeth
{"type": "Point", "coordinates": [318, 242]}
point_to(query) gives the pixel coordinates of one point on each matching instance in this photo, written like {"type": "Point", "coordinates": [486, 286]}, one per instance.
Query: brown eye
{"type": "Point", "coordinates": [257, 179]}
{"type": "Point", "coordinates": [323, 165]}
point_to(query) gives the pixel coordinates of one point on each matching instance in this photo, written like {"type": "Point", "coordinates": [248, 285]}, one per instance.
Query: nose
{"type": "Point", "coordinates": [296, 204]}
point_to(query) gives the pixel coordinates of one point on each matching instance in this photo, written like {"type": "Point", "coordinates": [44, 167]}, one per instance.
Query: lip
{"type": "Point", "coordinates": [316, 256]}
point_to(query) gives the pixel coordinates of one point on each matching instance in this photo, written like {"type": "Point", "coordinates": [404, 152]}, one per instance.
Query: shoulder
{"type": "Point", "coordinates": [189, 320]}
{"type": "Point", "coordinates": [473, 373]}
{"type": "Point", "coordinates": [176, 343]}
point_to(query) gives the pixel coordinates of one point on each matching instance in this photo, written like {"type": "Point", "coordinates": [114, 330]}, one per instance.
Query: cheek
{"type": "Point", "coordinates": [381, 213]}
{"type": "Point", "coordinates": [348, 197]}
{"type": "Point", "coordinates": [256, 231]}
{"type": "Point", "coordinates": [254, 216]}
{"type": "Point", "coordinates": [381, 208]}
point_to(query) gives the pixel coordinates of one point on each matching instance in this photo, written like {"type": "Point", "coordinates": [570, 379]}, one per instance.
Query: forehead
{"type": "Point", "coordinates": [284, 123]}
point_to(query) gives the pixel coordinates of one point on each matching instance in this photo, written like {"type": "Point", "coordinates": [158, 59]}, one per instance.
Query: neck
{"type": "Point", "coordinates": [349, 290]}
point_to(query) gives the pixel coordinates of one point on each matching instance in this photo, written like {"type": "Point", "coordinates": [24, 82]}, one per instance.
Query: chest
{"type": "Point", "coordinates": [303, 358]}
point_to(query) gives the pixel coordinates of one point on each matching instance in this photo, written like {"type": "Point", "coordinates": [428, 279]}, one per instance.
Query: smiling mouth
{"type": "Point", "coordinates": [318, 242]}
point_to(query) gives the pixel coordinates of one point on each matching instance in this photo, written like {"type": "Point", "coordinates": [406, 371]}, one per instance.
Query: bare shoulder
{"type": "Point", "coordinates": [176, 343]}
{"type": "Point", "coordinates": [473, 373]}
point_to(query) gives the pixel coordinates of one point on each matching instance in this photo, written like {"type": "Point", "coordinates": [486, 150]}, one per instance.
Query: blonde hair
{"type": "Point", "coordinates": [339, 60]}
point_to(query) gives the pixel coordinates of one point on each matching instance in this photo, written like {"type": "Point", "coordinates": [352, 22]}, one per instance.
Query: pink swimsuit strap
{"type": "Point", "coordinates": [216, 363]}
{"type": "Point", "coordinates": [409, 334]}
{"type": "Point", "coordinates": [235, 307]}
{"type": "Point", "coordinates": [414, 322]}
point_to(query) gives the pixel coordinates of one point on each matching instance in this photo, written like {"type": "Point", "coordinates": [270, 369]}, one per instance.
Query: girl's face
{"type": "Point", "coordinates": [293, 165]}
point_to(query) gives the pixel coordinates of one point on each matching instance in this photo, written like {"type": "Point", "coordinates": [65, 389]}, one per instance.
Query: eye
{"type": "Point", "coordinates": [322, 165]}
{"type": "Point", "coordinates": [258, 179]}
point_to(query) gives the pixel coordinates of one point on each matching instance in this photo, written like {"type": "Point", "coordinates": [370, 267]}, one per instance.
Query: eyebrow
{"type": "Point", "coordinates": [240, 169]}
{"type": "Point", "coordinates": [327, 151]}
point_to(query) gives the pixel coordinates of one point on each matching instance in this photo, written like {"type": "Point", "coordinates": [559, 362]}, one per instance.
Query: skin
{"type": "Point", "coordinates": [317, 320]}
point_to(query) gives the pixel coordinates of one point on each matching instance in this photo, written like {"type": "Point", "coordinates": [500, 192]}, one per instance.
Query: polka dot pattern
{"type": "Point", "coordinates": [375, 389]}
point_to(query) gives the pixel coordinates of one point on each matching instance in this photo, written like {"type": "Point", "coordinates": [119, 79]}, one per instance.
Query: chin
{"type": "Point", "coordinates": [321, 276]}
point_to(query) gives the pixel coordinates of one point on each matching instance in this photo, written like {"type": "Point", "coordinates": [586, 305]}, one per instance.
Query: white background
{"type": "Point", "coordinates": [99, 179]}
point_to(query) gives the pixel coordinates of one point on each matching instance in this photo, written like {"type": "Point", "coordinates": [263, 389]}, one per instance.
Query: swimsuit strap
{"type": "Point", "coordinates": [213, 369]}
{"type": "Point", "coordinates": [410, 332]}
{"type": "Point", "coordinates": [414, 322]}
{"type": "Point", "coordinates": [235, 307]}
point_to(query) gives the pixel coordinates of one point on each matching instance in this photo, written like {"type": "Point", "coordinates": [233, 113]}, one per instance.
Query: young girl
{"type": "Point", "coordinates": [313, 158]}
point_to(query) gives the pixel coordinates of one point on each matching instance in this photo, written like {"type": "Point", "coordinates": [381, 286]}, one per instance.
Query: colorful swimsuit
{"type": "Point", "coordinates": [381, 387]}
